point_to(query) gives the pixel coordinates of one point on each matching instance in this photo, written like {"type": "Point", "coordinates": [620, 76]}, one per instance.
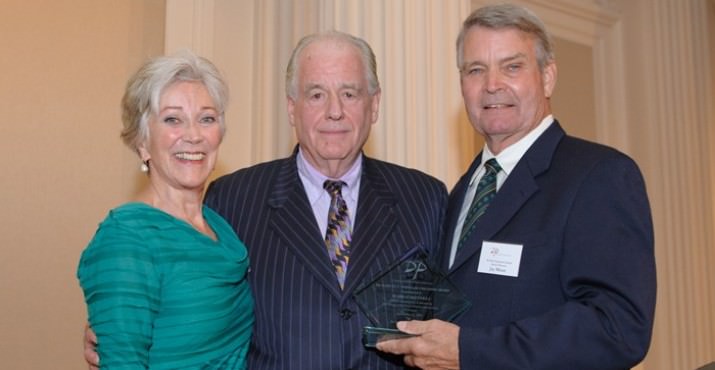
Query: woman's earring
{"type": "Point", "coordinates": [145, 166]}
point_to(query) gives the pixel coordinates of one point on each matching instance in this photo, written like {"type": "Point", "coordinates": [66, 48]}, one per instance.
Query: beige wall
{"type": "Point", "coordinates": [63, 66]}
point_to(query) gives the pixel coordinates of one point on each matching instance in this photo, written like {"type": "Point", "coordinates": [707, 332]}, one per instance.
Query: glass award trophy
{"type": "Point", "coordinates": [409, 290]}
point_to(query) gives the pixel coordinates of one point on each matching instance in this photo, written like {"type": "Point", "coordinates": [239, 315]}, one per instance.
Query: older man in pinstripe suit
{"type": "Point", "coordinates": [304, 318]}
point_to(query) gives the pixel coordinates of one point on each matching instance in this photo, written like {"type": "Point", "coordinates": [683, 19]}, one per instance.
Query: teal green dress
{"type": "Point", "coordinates": [161, 295]}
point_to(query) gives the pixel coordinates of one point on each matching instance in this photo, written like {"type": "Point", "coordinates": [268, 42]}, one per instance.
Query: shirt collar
{"type": "Point", "coordinates": [313, 179]}
{"type": "Point", "coordinates": [510, 156]}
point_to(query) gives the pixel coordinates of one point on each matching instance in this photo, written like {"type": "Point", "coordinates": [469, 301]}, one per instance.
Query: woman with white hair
{"type": "Point", "coordinates": [164, 277]}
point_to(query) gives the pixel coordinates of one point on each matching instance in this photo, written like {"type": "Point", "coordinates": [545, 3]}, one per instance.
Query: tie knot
{"type": "Point", "coordinates": [333, 187]}
{"type": "Point", "coordinates": [492, 166]}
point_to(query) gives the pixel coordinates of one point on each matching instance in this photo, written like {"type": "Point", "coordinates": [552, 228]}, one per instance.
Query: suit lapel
{"type": "Point", "coordinates": [376, 218]}
{"type": "Point", "coordinates": [516, 190]}
{"type": "Point", "coordinates": [292, 218]}
{"type": "Point", "coordinates": [509, 199]}
{"type": "Point", "coordinates": [454, 206]}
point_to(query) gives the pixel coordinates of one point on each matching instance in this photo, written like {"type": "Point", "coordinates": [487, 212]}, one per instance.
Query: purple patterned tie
{"type": "Point", "coordinates": [338, 234]}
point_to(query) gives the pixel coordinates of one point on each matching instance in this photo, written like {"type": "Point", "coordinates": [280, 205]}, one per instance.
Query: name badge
{"type": "Point", "coordinates": [500, 258]}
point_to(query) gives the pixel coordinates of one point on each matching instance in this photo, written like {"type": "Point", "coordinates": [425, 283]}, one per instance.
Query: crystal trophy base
{"type": "Point", "coordinates": [371, 336]}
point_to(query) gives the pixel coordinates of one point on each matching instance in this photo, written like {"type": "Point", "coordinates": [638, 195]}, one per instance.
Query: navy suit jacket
{"type": "Point", "coordinates": [584, 297]}
{"type": "Point", "coordinates": [303, 319]}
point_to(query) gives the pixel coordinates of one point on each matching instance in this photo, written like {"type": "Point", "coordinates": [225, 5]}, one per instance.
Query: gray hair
{"type": "Point", "coordinates": [144, 89]}
{"type": "Point", "coordinates": [509, 16]}
{"type": "Point", "coordinates": [366, 55]}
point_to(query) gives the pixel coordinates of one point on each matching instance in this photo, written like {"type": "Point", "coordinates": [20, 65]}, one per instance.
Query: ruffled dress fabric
{"type": "Point", "coordinates": [161, 295]}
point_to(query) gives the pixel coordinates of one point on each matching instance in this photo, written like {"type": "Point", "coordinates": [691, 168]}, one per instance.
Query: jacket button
{"type": "Point", "coordinates": [346, 314]}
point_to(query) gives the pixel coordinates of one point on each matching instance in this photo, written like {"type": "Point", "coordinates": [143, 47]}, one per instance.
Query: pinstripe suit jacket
{"type": "Point", "coordinates": [303, 319]}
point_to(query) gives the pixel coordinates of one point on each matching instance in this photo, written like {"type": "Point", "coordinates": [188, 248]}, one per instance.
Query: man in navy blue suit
{"type": "Point", "coordinates": [305, 316]}
{"type": "Point", "coordinates": [559, 262]}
